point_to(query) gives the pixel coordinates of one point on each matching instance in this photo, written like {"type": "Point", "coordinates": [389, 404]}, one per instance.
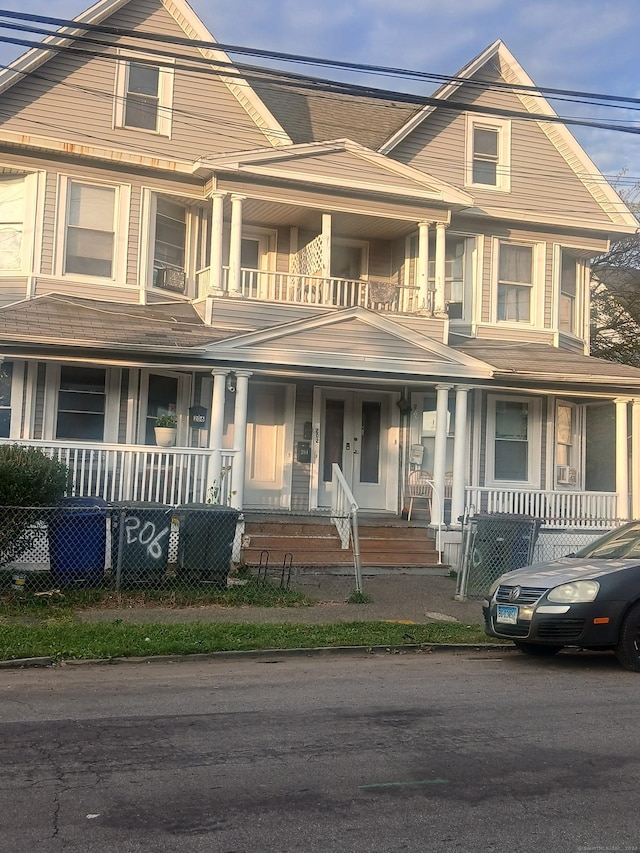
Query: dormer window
{"type": "Point", "coordinates": [144, 96]}
{"type": "Point", "coordinates": [488, 154]}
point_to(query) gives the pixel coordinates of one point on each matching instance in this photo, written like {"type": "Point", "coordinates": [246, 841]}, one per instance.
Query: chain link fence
{"type": "Point", "coordinates": [495, 543]}
{"type": "Point", "coordinates": [89, 543]}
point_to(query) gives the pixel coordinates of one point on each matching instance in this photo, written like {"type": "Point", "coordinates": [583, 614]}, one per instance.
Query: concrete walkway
{"type": "Point", "coordinates": [395, 597]}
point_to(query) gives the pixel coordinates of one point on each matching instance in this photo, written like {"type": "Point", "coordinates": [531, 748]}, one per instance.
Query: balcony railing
{"type": "Point", "coordinates": [317, 290]}
{"type": "Point", "coordinates": [578, 509]}
{"type": "Point", "coordinates": [133, 472]}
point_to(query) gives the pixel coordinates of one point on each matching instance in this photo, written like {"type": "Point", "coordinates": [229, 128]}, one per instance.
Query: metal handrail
{"type": "Point", "coordinates": [344, 506]}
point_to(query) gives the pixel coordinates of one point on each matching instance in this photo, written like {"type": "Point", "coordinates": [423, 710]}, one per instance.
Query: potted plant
{"type": "Point", "coordinates": [166, 427]}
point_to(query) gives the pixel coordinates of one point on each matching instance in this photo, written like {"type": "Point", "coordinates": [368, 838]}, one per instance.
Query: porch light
{"type": "Point", "coordinates": [231, 382]}
{"type": "Point", "coordinates": [404, 405]}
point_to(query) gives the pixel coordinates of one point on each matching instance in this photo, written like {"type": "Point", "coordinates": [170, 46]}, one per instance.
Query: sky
{"type": "Point", "coordinates": [585, 45]}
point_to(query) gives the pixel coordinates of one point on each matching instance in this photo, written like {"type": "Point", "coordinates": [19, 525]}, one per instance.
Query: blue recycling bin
{"type": "Point", "coordinates": [78, 541]}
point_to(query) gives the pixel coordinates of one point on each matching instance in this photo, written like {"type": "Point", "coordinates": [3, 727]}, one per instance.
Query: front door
{"type": "Point", "coordinates": [269, 446]}
{"type": "Point", "coordinates": [354, 433]}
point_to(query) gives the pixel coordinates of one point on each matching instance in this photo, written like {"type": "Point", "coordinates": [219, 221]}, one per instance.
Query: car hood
{"type": "Point", "coordinates": [564, 570]}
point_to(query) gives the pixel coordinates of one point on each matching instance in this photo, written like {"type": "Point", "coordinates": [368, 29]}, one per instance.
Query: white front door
{"type": "Point", "coordinates": [269, 446]}
{"type": "Point", "coordinates": [354, 431]}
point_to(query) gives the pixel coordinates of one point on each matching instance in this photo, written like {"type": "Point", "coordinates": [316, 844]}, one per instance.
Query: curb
{"type": "Point", "coordinates": [257, 654]}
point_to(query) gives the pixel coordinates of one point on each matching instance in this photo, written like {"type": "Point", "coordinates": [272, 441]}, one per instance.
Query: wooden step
{"type": "Point", "coordinates": [316, 543]}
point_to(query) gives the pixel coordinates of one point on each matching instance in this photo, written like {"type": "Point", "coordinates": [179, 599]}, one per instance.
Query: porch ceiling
{"type": "Point", "coordinates": [274, 215]}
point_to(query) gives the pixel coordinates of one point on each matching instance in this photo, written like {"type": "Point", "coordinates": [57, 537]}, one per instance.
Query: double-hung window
{"type": "Point", "coordinates": [488, 154]}
{"type": "Point", "coordinates": [90, 230]}
{"type": "Point", "coordinates": [569, 278]}
{"type": "Point", "coordinates": [513, 441]}
{"type": "Point", "coordinates": [144, 96]}
{"type": "Point", "coordinates": [12, 218]}
{"type": "Point", "coordinates": [515, 283]}
{"type": "Point", "coordinates": [6, 376]}
{"type": "Point", "coordinates": [81, 403]}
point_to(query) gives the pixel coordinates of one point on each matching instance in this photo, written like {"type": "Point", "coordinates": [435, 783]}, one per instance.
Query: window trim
{"type": "Point", "coordinates": [503, 166]}
{"type": "Point", "coordinates": [536, 308]}
{"type": "Point", "coordinates": [580, 329]}
{"type": "Point", "coordinates": [120, 234]}
{"type": "Point", "coordinates": [166, 75]}
{"type": "Point", "coordinates": [113, 378]}
{"type": "Point", "coordinates": [534, 436]}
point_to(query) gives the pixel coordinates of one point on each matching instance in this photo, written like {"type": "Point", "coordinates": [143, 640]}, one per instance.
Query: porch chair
{"type": "Point", "coordinates": [419, 486]}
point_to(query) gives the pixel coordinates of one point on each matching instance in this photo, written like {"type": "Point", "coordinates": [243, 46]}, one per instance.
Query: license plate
{"type": "Point", "coordinates": [507, 613]}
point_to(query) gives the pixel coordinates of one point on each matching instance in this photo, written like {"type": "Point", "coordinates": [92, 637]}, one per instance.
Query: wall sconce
{"type": "Point", "coordinates": [231, 383]}
{"type": "Point", "coordinates": [404, 405]}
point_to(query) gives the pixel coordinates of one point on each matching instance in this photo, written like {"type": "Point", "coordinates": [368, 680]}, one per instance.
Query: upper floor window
{"type": "Point", "coordinates": [170, 245]}
{"type": "Point", "coordinates": [488, 154]}
{"type": "Point", "coordinates": [144, 96]}
{"type": "Point", "coordinates": [570, 272]}
{"type": "Point", "coordinates": [12, 217]}
{"type": "Point", "coordinates": [454, 274]}
{"type": "Point", "coordinates": [90, 229]}
{"type": "Point", "coordinates": [515, 283]}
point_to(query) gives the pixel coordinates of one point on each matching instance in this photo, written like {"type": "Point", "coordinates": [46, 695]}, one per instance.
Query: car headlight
{"type": "Point", "coordinates": [574, 592]}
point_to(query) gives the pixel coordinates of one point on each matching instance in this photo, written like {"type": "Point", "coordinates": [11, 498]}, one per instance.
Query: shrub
{"type": "Point", "coordinates": [28, 479]}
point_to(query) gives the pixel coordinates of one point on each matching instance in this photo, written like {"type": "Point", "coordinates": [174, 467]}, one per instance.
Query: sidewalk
{"type": "Point", "coordinates": [395, 597]}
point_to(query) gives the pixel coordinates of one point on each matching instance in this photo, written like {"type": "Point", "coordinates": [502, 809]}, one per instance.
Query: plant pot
{"type": "Point", "coordinates": [165, 436]}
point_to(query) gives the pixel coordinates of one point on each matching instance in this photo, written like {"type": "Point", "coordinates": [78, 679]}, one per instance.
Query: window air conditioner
{"type": "Point", "coordinates": [566, 476]}
{"type": "Point", "coordinates": [170, 278]}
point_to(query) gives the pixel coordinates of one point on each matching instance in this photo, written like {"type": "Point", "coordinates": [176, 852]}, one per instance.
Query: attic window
{"type": "Point", "coordinates": [144, 97]}
{"type": "Point", "coordinates": [488, 154]}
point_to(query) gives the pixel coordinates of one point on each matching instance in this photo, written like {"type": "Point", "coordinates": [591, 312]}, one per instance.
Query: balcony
{"type": "Point", "coordinates": [296, 289]}
{"type": "Point", "coordinates": [555, 508]}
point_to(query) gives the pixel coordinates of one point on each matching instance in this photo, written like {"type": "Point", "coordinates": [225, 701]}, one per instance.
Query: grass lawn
{"type": "Point", "coordinates": [66, 639]}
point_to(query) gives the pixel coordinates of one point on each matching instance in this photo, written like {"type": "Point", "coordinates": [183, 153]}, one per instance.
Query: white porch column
{"type": "Point", "coordinates": [235, 246]}
{"type": "Point", "coordinates": [635, 458]}
{"type": "Point", "coordinates": [622, 458]}
{"type": "Point", "coordinates": [215, 261]}
{"type": "Point", "coordinates": [216, 427]}
{"type": "Point", "coordinates": [240, 438]}
{"type": "Point", "coordinates": [440, 453]}
{"type": "Point", "coordinates": [422, 267]}
{"type": "Point", "coordinates": [459, 454]}
{"type": "Point", "coordinates": [438, 304]}
{"type": "Point", "coordinates": [326, 244]}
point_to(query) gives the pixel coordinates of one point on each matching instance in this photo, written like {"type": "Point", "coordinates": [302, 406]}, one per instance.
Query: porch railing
{"type": "Point", "coordinates": [579, 509]}
{"type": "Point", "coordinates": [133, 472]}
{"type": "Point", "coordinates": [344, 514]}
{"type": "Point", "coordinates": [300, 289]}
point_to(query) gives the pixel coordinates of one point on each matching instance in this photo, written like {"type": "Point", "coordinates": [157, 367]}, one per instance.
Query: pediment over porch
{"type": "Point", "coordinates": [355, 339]}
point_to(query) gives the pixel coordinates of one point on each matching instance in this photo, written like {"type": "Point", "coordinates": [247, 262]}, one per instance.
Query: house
{"type": "Point", "coordinates": [307, 279]}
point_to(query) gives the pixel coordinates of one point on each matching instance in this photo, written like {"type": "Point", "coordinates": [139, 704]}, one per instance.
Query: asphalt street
{"type": "Point", "coordinates": [466, 751]}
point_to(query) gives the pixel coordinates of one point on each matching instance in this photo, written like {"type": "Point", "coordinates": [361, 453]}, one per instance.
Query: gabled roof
{"type": "Point", "coordinates": [312, 114]}
{"type": "Point", "coordinates": [534, 103]}
{"type": "Point", "coordinates": [339, 163]}
{"type": "Point", "coordinates": [192, 27]}
{"type": "Point", "coordinates": [356, 339]}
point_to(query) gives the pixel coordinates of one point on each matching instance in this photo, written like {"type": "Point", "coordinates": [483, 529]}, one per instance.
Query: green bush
{"type": "Point", "coordinates": [28, 480]}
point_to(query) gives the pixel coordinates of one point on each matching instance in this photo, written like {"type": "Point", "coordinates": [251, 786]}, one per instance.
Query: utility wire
{"type": "Point", "coordinates": [299, 58]}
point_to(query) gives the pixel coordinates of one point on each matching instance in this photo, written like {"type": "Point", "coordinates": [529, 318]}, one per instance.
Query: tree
{"type": "Point", "coordinates": [615, 296]}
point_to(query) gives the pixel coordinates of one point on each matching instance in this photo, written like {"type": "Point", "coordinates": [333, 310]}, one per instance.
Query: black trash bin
{"type": "Point", "coordinates": [77, 533]}
{"type": "Point", "coordinates": [205, 544]}
{"type": "Point", "coordinates": [503, 542]}
{"type": "Point", "coordinates": [140, 532]}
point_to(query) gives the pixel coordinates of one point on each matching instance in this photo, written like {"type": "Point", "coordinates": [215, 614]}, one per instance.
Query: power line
{"type": "Point", "coordinates": [302, 59]}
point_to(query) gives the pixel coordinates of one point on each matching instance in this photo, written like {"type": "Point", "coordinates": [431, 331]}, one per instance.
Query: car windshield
{"type": "Point", "coordinates": [618, 544]}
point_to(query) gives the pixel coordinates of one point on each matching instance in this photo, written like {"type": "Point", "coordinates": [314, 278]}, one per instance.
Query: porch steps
{"type": "Point", "coordinates": [392, 545]}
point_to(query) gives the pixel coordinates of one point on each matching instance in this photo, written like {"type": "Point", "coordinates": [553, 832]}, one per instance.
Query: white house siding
{"type": "Point", "coordinates": [542, 182]}
{"type": "Point", "coordinates": [207, 117]}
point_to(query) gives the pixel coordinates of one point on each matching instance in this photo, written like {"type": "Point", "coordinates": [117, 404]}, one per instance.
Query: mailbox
{"type": "Point", "coordinates": [304, 451]}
